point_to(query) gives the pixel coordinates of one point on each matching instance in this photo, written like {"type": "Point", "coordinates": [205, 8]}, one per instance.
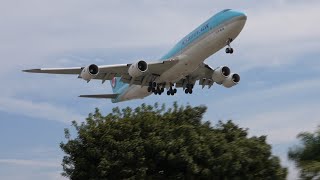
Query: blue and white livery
{"type": "Point", "coordinates": [181, 67]}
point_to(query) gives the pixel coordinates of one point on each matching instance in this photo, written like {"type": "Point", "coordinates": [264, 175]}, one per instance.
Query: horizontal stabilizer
{"type": "Point", "coordinates": [103, 96]}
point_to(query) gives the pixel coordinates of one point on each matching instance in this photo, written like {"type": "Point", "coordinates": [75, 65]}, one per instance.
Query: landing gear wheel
{"type": "Point", "coordinates": [229, 49]}
{"type": "Point", "coordinates": [154, 84]}
{"type": "Point", "coordinates": [172, 93]}
{"type": "Point", "coordinates": [168, 93]}
{"type": "Point", "coordinates": [175, 91]}
{"type": "Point", "coordinates": [189, 88]}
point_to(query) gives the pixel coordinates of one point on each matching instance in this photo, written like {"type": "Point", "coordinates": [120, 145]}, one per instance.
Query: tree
{"type": "Point", "coordinates": [155, 143]}
{"type": "Point", "coordinates": [307, 155]}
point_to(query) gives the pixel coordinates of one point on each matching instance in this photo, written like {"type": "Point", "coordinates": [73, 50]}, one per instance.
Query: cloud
{"type": "Point", "coordinates": [14, 169]}
{"type": "Point", "coordinates": [33, 163]}
{"type": "Point", "coordinates": [31, 174]}
{"type": "Point", "coordinates": [284, 124]}
{"type": "Point", "coordinates": [276, 36]}
{"type": "Point", "coordinates": [42, 163]}
{"type": "Point", "coordinates": [281, 112]}
{"type": "Point", "coordinates": [264, 95]}
{"type": "Point", "coordinates": [40, 110]}
{"type": "Point", "coordinates": [105, 24]}
{"type": "Point", "coordinates": [282, 24]}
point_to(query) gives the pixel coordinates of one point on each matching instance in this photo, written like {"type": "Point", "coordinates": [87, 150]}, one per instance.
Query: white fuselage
{"type": "Point", "coordinates": [192, 56]}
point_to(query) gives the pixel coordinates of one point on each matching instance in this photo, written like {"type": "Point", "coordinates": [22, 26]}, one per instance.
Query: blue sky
{"type": "Point", "coordinates": [277, 56]}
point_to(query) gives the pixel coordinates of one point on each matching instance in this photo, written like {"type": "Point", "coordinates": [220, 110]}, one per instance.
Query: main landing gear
{"type": "Point", "coordinates": [229, 49]}
{"type": "Point", "coordinates": [188, 89]}
{"type": "Point", "coordinates": [171, 91]}
{"type": "Point", "coordinates": [157, 89]}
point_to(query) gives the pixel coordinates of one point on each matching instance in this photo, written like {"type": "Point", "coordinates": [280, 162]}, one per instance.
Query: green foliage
{"type": "Point", "coordinates": [307, 156]}
{"type": "Point", "coordinates": [152, 142]}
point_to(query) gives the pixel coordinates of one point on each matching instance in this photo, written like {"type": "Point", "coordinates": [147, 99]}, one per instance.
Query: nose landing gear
{"type": "Point", "coordinates": [229, 49]}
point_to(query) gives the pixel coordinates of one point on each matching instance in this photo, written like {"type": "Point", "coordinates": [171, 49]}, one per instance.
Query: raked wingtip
{"type": "Point", "coordinates": [31, 70]}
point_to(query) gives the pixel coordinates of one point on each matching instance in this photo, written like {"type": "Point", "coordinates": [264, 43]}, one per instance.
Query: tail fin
{"type": "Point", "coordinates": [116, 84]}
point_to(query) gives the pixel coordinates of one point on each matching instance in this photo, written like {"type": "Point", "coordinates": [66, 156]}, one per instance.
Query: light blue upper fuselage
{"type": "Point", "coordinates": [210, 25]}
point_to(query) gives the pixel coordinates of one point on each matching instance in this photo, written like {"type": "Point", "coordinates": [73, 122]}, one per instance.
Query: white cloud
{"type": "Point", "coordinates": [274, 33]}
{"type": "Point", "coordinates": [39, 110]}
{"type": "Point", "coordinates": [268, 93]}
{"type": "Point", "coordinates": [279, 112]}
{"type": "Point", "coordinates": [33, 163]}
{"type": "Point", "coordinates": [293, 171]}
{"type": "Point", "coordinates": [42, 162]}
{"type": "Point", "coordinates": [30, 174]}
{"type": "Point", "coordinates": [276, 36]}
{"type": "Point", "coordinates": [283, 24]}
{"type": "Point", "coordinates": [284, 124]}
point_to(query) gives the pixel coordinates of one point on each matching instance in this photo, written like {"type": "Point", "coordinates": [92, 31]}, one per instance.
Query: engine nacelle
{"type": "Point", "coordinates": [138, 69]}
{"type": "Point", "coordinates": [232, 80]}
{"type": "Point", "coordinates": [89, 72]}
{"type": "Point", "coordinates": [221, 74]}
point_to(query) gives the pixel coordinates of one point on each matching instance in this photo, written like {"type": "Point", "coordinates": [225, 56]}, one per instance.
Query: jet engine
{"type": "Point", "coordinates": [232, 80]}
{"type": "Point", "coordinates": [138, 69]}
{"type": "Point", "coordinates": [220, 74]}
{"type": "Point", "coordinates": [89, 72]}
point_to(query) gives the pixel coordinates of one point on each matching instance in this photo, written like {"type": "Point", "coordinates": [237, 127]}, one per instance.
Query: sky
{"type": "Point", "coordinates": [277, 55]}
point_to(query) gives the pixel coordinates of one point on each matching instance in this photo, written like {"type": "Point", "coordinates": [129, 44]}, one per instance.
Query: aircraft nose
{"type": "Point", "coordinates": [239, 17]}
{"type": "Point", "coordinates": [242, 15]}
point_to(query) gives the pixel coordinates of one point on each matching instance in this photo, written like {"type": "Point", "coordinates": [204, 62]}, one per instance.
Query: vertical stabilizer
{"type": "Point", "coordinates": [116, 84]}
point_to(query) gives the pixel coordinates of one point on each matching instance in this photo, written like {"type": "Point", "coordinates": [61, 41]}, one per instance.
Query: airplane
{"type": "Point", "coordinates": [181, 67]}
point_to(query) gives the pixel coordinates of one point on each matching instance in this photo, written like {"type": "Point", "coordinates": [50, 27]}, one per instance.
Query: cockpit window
{"type": "Point", "coordinates": [225, 10]}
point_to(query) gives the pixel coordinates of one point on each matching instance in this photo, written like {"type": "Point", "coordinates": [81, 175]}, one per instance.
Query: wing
{"type": "Point", "coordinates": [107, 72]}
{"type": "Point", "coordinates": [203, 74]}
{"type": "Point", "coordinates": [71, 70]}
{"type": "Point", "coordinates": [101, 96]}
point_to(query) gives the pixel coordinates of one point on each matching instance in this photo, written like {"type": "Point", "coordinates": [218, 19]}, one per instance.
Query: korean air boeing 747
{"type": "Point", "coordinates": [181, 67]}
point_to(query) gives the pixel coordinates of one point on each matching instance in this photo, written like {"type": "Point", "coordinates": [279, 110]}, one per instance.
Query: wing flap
{"type": "Point", "coordinates": [160, 67]}
{"type": "Point", "coordinates": [101, 96]}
